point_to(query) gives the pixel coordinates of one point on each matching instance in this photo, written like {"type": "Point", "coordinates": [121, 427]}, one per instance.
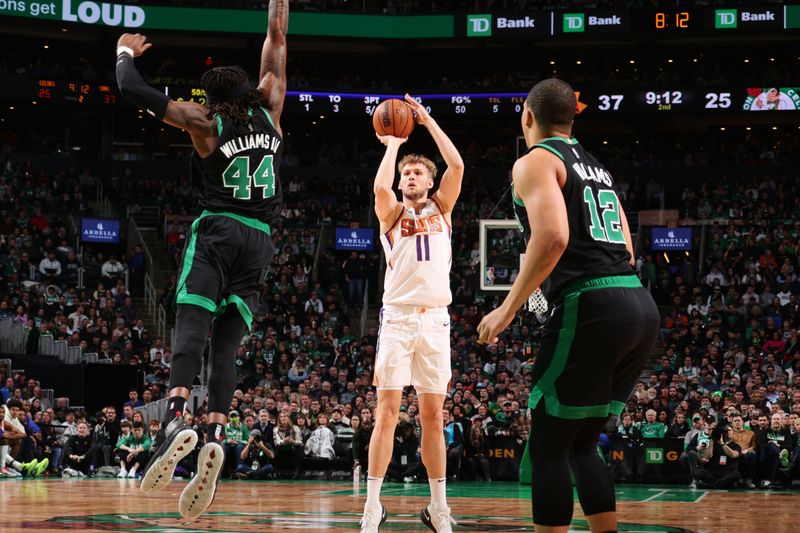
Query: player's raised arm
{"type": "Point", "coordinates": [189, 116]}
{"type": "Point", "coordinates": [536, 183]}
{"type": "Point", "coordinates": [385, 200]}
{"type": "Point", "coordinates": [450, 186]}
{"type": "Point", "coordinates": [272, 76]}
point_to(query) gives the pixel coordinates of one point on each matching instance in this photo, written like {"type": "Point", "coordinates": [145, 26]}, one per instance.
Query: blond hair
{"type": "Point", "coordinates": [411, 159]}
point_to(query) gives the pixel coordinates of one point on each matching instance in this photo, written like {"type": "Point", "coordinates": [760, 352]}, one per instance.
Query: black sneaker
{"type": "Point", "coordinates": [180, 441]}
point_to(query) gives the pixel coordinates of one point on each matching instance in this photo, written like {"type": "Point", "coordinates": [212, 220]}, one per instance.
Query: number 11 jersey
{"type": "Point", "coordinates": [418, 257]}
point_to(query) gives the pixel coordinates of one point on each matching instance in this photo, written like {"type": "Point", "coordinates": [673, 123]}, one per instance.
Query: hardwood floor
{"type": "Point", "coordinates": [117, 505]}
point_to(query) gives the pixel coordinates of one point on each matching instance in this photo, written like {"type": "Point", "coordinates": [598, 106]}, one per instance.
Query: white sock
{"type": "Point", "coordinates": [16, 465]}
{"type": "Point", "coordinates": [374, 491]}
{"type": "Point", "coordinates": [3, 455]}
{"type": "Point", "coordinates": [438, 492]}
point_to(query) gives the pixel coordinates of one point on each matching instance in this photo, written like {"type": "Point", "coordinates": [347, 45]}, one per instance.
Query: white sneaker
{"type": "Point", "coordinates": [80, 474]}
{"type": "Point", "coordinates": [373, 519]}
{"type": "Point", "coordinates": [10, 472]}
{"type": "Point", "coordinates": [122, 473]}
{"type": "Point", "coordinates": [199, 493]}
{"type": "Point", "coordinates": [69, 472]}
{"type": "Point", "coordinates": [132, 473]}
{"type": "Point", "coordinates": [159, 471]}
{"type": "Point", "coordinates": [438, 520]}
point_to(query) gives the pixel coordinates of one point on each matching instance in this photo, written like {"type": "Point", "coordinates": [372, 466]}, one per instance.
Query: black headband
{"type": "Point", "coordinates": [240, 90]}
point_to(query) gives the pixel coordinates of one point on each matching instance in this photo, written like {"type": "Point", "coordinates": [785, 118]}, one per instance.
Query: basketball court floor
{"type": "Point", "coordinates": [117, 505]}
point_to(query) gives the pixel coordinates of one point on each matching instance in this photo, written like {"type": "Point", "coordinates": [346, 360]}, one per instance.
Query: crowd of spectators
{"type": "Point", "coordinates": [304, 399]}
{"type": "Point", "coordinates": [730, 332]}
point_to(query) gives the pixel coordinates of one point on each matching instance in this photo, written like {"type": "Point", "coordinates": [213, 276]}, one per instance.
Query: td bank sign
{"type": "Point", "coordinates": [486, 25]}
{"type": "Point", "coordinates": [86, 12]}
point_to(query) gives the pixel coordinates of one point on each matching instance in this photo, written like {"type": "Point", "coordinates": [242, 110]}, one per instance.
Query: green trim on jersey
{"type": "Point", "coordinates": [562, 139]}
{"type": "Point", "coordinates": [517, 199]}
{"type": "Point", "coordinates": [247, 221]}
{"type": "Point", "coordinates": [184, 297]}
{"type": "Point", "coordinates": [241, 306]}
{"type": "Point", "coordinates": [188, 259]}
{"type": "Point", "coordinates": [219, 125]}
{"type": "Point", "coordinates": [545, 388]}
{"type": "Point", "coordinates": [269, 117]}
{"type": "Point", "coordinates": [549, 148]}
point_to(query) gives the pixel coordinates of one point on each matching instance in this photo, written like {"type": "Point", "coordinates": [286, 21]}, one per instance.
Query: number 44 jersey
{"type": "Point", "coordinates": [241, 174]}
{"type": "Point", "coordinates": [596, 242]}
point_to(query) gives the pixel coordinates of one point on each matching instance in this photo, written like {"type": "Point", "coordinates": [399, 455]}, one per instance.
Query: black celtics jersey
{"type": "Point", "coordinates": [596, 242]}
{"type": "Point", "coordinates": [241, 174]}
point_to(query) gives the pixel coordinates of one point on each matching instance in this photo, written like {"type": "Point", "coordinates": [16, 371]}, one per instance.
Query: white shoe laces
{"type": "Point", "coordinates": [445, 520]}
{"type": "Point", "coordinates": [370, 521]}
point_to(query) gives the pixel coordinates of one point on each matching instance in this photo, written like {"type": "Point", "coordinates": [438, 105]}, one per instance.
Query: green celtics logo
{"type": "Point", "coordinates": [260, 521]}
{"type": "Point", "coordinates": [772, 99]}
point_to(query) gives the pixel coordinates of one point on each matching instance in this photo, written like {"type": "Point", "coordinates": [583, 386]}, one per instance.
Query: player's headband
{"type": "Point", "coordinates": [231, 94]}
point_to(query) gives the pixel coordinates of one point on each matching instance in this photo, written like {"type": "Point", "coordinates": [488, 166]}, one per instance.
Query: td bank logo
{"type": "Point", "coordinates": [574, 22]}
{"type": "Point", "coordinates": [479, 25]}
{"type": "Point", "coordinates": [725, 19]}
{"type": "Point", "coordinates": [654, 456]}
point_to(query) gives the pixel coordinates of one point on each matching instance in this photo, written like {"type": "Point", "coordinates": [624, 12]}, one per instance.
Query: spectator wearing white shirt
{"type": "Point", "coordinates": [76, 318]}
{"type": "Point", "coordinates": [50, 267]}
{"type": "Point", "coordinates": [785, 296]}
{"type": "Point", "coordinates": [314, 303]}
{"type": "Point", "coordinates": [715, 274]}
{"type": "Point", "coordinates": [111, 270]}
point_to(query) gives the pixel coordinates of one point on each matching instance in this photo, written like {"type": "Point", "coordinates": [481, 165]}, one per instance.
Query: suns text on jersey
{"type": "Point", "coordinates": [412, 226]}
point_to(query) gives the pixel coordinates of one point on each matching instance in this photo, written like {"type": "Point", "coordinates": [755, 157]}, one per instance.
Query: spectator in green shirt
{"type": "Point", "coordinates": [236, 437]}
{"type": "Point", "coordinates": [652, 429]}
{"type": "Point", "coordinates": [133, 451]}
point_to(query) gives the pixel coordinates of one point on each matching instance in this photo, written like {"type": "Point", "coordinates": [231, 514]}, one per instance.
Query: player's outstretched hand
{"type": "Point", "coordinates": [135, 41]}
{"type": "Point", "coordinates": [391, 139]}
{"type": "Point", "coordinates": [421, 114]}
{"type": "Point", "coordinates": [493, 325]}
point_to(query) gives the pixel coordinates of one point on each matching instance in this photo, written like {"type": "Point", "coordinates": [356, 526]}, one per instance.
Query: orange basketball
{"type": "Point", "coordinates": [393, 117]}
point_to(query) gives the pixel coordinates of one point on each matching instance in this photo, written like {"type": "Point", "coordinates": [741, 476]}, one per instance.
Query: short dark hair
{"type": "Point", "coordinates": [13, 402]}
{"type": "Point", "coordinates": [553, 103]}
{"type": "Point", "coordinates": [138, 425]}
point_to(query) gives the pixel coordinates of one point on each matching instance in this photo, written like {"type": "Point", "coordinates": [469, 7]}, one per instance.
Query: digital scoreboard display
{"type": "Point", "coordinates": [590, 102]}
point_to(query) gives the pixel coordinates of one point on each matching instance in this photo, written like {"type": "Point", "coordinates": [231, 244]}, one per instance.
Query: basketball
{"type": "Point", "coordinates": [393, 117]}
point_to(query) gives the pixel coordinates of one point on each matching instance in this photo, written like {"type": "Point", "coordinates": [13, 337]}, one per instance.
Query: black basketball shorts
{"type": "Point", "coordinates": [594, 347]}
{"type": "Point", "coordinates": [225, 260]}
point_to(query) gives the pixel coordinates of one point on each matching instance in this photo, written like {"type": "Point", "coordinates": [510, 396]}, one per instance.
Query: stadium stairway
{"type": "Point", "coordinates": [160, 268]}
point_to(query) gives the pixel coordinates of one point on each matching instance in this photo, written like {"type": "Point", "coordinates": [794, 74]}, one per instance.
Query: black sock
{"type": "Point", "coordinates": [216, 432]}
{"type": "Point", "coordinates": [176, 406]}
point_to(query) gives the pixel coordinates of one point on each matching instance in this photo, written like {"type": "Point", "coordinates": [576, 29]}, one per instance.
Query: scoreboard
{"type": "Point", "coordinates": [658, 100]}
{"type": "Point", "coordinates": [594, 101]}
{"type": "Point", "coordinates": [78, 92]}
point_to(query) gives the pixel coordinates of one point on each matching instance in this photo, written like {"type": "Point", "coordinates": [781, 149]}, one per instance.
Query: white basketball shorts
{"type": "Point", "coordinates": [413, 349]}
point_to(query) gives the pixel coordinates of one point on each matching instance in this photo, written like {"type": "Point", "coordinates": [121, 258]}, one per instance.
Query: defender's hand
{"type": "Point", "coordinates": [421, 114]}
{"type": "Point", "coordinates": [135, 41]}
{"type": "Point", "coordinates": [493, 325]}
{"type": "Point", "coordinates": [386, 140]}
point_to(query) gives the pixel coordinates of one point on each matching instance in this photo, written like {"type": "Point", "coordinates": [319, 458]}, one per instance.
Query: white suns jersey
{"type": "Point", "coordinates": [418, 255]}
